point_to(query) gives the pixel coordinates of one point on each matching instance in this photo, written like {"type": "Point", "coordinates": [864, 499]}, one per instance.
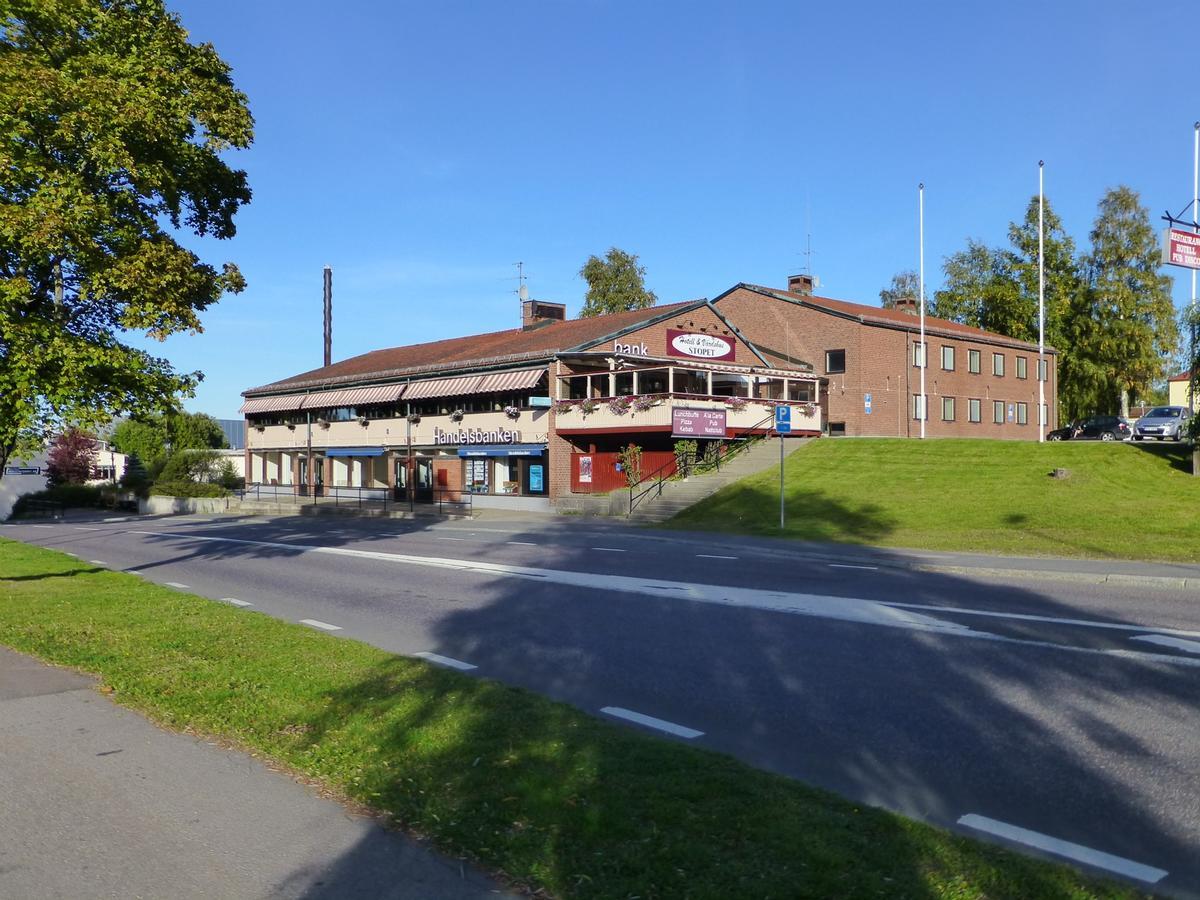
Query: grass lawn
{"type": "Point", "coordinates": [553, 798]}
{"type": "Point", "coordinates": [1131, 501]}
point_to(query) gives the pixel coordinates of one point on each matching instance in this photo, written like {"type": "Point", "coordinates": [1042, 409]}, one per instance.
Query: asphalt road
{"type": "Point", "coordinates": [1064, 709]}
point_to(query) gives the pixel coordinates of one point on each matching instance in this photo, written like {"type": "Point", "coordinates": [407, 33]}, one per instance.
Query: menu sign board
{"type": "Point", "coordinates": [692, 423]}
{"type": "Point", "coordinates": [1181, 248]}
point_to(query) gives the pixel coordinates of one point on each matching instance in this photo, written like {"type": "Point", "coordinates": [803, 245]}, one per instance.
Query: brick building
{"type": "Point", "coordinates": [518, 417]}
{"type": "Point", "coordinates": [977, 384]}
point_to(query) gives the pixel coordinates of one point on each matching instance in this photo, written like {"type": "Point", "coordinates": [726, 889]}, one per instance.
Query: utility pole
{"type": "Point", "coordinates": [924, 411]}
{"type": "Point", "coordinates": [1042, 306]}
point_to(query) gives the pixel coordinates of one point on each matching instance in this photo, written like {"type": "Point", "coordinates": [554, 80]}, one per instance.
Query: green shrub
{"type": "Point", "coordinates": [188, 489]}
{"type": "Point", "coordinates": [69, 495]}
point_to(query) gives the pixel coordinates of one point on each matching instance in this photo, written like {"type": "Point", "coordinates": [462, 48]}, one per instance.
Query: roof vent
{"type": "Point", "coordinates": [535, 313]}
{"type": "Point", "coordinates": [803, 284]}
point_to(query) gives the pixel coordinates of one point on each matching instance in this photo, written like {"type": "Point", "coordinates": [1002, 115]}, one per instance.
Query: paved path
{"type": "Point", "coordinates": [97, 802]}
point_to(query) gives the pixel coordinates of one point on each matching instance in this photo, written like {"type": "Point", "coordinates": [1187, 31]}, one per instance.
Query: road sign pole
{"type": "Point", "coordinates": [781, 482]}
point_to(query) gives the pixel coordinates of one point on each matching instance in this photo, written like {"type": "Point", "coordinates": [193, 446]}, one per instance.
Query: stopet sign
{"type": "Point", "coordinates": [476, 436]}
{"type": "Point", "coordinates": [699, 346]}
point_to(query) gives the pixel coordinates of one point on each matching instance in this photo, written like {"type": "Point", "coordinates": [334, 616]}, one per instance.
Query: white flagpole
{"type": "Point", "coordinates": [924, 410]}
{"type": "Point", "coordinates": [1041, 306]}
{"type": "Point", "coordinates": [1195, 219]}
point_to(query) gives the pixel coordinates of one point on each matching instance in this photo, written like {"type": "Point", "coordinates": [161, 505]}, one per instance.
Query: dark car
{"type": "Point", "coordinates": [1097, 428]}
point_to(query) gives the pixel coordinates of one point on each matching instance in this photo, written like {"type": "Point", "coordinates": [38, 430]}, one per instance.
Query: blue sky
{"type": "Point", "coordinates": [421, 149]}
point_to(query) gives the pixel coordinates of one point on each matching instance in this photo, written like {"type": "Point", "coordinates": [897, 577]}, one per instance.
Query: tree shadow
{"type": "Point", "coordinates": [1177, 455]}
{"type": "Point", "coordinates": [42, 576]}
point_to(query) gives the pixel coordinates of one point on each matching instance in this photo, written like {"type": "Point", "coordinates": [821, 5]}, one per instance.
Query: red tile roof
{"type": "Point", "coordinates": [478, 350]}
{"type": "Point", "coordinates": [894, 317]}
{"type": "Point", "coordinates": [1182, 376]}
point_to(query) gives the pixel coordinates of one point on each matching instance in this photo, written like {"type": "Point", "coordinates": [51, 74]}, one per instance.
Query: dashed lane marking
{"type": "Point", "coordinates": [609, 549]}
{"type": "Point", "coordinates": [1066, 849]}
{"type": "Point", "coordinates": [176, 584]}
{"type": "Point", "coordinates": [324, 626]}
{"type": "Point", "coordinates": [446, 661]}
{"type": "Point", "coordinates": [848, 566]}
{"type": "Point", "coordinates": [651, 722]}
{"type": "Point", "coordinates": [97, 562]}
{"type": "Point", "coordinates": [235, 601]}
{"type": "Point", "coordinates": [522, 543]}
{"type": "Point", "coordinates": [714, 556]}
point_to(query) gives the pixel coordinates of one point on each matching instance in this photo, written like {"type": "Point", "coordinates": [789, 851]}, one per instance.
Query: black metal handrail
{"type": "Point", "coordinates": [383, 498]}
{"type": "Point", "coordinates": [43, 509]}
{"type": "Point", "coordinates": [661, 476]}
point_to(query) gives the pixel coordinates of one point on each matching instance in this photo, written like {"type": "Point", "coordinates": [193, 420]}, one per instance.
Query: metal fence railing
{"type": "Point", "coordinates": [444, 500]}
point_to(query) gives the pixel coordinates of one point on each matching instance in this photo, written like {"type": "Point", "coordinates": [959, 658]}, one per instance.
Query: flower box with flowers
{"type": "Point", "coordinates": [588, 406]}
{"type": "Point", "coordinates": [563, 406]}
{"type": "Point", "coordinates": [644, 402]}
{"type": "Point", "coordinates": [737, 404]}
{"type": "Point", "coordinates": [512, 412]}
{"type": "Point", "coordinates": [618, 406]}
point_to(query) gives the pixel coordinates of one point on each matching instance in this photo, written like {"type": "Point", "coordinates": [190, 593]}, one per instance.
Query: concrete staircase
{"type": "Point", "coordinates": [679, 495]}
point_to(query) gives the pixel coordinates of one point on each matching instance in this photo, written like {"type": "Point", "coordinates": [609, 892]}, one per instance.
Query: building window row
{"type": "Point", "coordinates": [1000, 410]}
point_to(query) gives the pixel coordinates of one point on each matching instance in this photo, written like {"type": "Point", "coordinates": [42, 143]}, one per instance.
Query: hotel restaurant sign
{"type": "Point", "coordinates": [699, 346]}
{"type": "Point", "coordinates": [1181, 248]}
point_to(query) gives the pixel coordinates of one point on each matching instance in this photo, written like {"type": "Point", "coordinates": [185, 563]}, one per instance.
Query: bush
{"type": "Point", "coordinates": [190, 465]}
{"type": "Point", "coordinates": [70, 495]}
{"type": "Point", "coordinates": [187, 489]}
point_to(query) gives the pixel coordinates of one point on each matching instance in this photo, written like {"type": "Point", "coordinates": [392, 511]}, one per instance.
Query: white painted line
{"type": "Point", "coordinates": [650, 722]}
{"type": "Point", "coordinates": [235, 601]}
{"type": "Point", "coordinates": [847, 566]}
{"type": "Point", "coordinates": [43, 526]}
{"type": "Point", "coordinates": [522, 543]}
{"type": "Point", "coordinates": [1164, 641]}
{"type": "Point", "coordinates": [85, 528]}
{"type": "Point", "coordinates": [324, 626]}
{"type": "Point", "coordinates": [97, 562]}
{"type": "Point", "coordinates": [608, 549]}
{"type": "Point", "coordinates": [176, 584]}
{"type": "Point", "coordinates": [460, 540]}
{"type": "Point", "coordinates": [1077, 852]}
{"type": "Point", "coordinates": [714, 556]}
{"type": "Point", "coordinates": [123, 519]}
{"type": "Point", "coordinates": [1026, 617]}
{"type": "Point", "coordinates": [445, 661]}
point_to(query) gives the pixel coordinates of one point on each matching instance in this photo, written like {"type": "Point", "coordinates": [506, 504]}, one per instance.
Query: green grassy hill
{"type": "Point", "coordinates": [1132, 501]}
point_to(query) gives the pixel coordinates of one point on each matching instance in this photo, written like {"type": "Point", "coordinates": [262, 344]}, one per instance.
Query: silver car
{"type": "Point", "coordinates": [1163, 422]}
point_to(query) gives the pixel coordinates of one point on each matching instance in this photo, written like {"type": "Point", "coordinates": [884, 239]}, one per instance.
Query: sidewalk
{"type": "Point", "coordinates": [95, 801]}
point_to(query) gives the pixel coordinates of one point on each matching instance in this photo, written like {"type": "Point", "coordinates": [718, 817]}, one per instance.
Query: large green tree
{"type": "Point", "coordinates": [1134, 332]}
{"type": "Point", "coordinates": [113, 129]}
{"type": "Point", "coordinates": [152, 437]}
{"type": "Point", "coordinates": [904, 285]}
{"type": "Point", "coordinates": [615, 284]}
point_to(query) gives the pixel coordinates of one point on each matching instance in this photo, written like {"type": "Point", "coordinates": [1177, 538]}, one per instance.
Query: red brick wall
{"type": "Point", "coordinates": [879, 362]}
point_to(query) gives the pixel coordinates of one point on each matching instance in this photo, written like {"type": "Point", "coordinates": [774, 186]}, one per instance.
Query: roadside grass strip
{"type": "Point", "coordinates": [546, 795]}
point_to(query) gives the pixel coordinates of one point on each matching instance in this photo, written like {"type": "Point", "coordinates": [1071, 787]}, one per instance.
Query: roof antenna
{"type": "Point", "coordinates": [522, 288]}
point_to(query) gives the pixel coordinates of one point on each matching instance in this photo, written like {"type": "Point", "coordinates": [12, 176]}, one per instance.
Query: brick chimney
{"type": "Point", "coordinates": [536, 313]}
{"type": "Point", "coordinates": [802, 284]}
{"type": "Point", "coordinates": [907, 305]}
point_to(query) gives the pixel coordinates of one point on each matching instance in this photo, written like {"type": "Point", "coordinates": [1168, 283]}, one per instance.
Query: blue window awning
{"type": "Point", "coordinates": [355, 451]}
{"type": "Point", "coordinates": [502, 450]}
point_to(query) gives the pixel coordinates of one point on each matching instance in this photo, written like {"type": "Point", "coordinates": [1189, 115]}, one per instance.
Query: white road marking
{"type": "Point", "coordinates": [445, 661]}
{"type": "Point", "coordinates": [609, 549]}
{"type": "Point", "coordinates": [848, 566]}
{"type": "Point", "coordinates": [85, 528]}
{"type": "Point", "coordinates": [43, 526]}
{"type": "Point", "coordinates": [1164, 641]}
{"type": "Point", "coordinates": [235, 601]}
{"type": "Point", "coordinates": [714, 556]}
{"type": "Point", "coordinates": [1027, 617]}
{"type": "Point", "coordinates": [460, 540]}
{"type": "Point", "coordinates": [522, 543]}
{"type": "Point", "coordinates": [124, 519]}
{"type": "Point", "coordinates": [176, 584]}
{"type": "Point", "coordinates": [1066, 849]}
{"type": "Point", "coordinates": [324, 626]}
{"type": "Point", "coordinates": [651, 722]}
{"type": "Point", "coordinates": [845, 609]}
{"type": "Point", "coordinates": [96, 562]}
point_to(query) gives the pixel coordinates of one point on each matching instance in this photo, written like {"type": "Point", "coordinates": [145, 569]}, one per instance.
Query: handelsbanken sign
{"type": "Point", "coordinates": [1181, 248]}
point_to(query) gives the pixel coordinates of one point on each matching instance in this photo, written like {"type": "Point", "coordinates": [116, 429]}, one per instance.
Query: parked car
{"type": "Point", "coordinates": [1163, 422]}
{"type": "Point", "coordinates": [1097, 428]}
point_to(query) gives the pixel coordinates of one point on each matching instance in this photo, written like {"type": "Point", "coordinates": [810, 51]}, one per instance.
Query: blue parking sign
{"type": "Point", "coordinates": [783, 419]}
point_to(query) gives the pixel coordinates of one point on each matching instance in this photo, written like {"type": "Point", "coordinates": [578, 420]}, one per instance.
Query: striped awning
{"type": "Point", "coordinates": [511, 381]}
{"type": "Point", "coordinates": [362, 396]}
{"type": "Point", "coordinates": [286, 402]}
{"type": "Point", "coordinates": [443, 387]}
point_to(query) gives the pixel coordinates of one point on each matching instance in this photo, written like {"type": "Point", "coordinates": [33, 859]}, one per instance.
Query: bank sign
{"type": "Point", "coordinates": [1180, 248]}
{"type": "Point", "coordinates": [693, 423]}
{"type": "Point", "coordinates": [476, 436]}
{"type": "Point", "coordinates": [699, 346]}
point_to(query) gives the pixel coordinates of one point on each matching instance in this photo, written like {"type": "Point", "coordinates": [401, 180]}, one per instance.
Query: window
{"type": "Point", "coordinates": [998, 364]}
{"type": "Point", "coordinates": [947, 358]}
{"type": "Point", "coordinates": [835, 361]}
{"type": "Point", "coordinates": [1041, 370]}
{"type": "Point", "coordinates": [973, 362]}
{"type": "Point", "coordinates": [1022, 414]}
{"type": "Point", "coordinates": [998, 412]}
{"type": "Point", "coordinates": [918, 408]}
{"type": "Point", "coordinates": [1021, 367]}
{"type": "Point", "coordinates": [918, 355]}
{"type": "Point", "coordinates": [973, 410]}
{"type": "Point", "coordinates": [947, 409]}
{"type": "Point", "coordinates": [1045, 420]}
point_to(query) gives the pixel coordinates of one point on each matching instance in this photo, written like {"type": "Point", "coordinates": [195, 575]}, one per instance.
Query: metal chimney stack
{"type": "Point", "coordinates": [328, 315]}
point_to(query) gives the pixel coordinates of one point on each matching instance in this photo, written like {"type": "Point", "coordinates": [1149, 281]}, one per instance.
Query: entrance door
{"type": "Point", "coordinates": [319, 471]}
{"type": "Point", "coordinates": [424, 481]}
{"type": "Point", "coordinates": [302, 487]}
{"type": "Point", "coordinates": [402, 479]}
